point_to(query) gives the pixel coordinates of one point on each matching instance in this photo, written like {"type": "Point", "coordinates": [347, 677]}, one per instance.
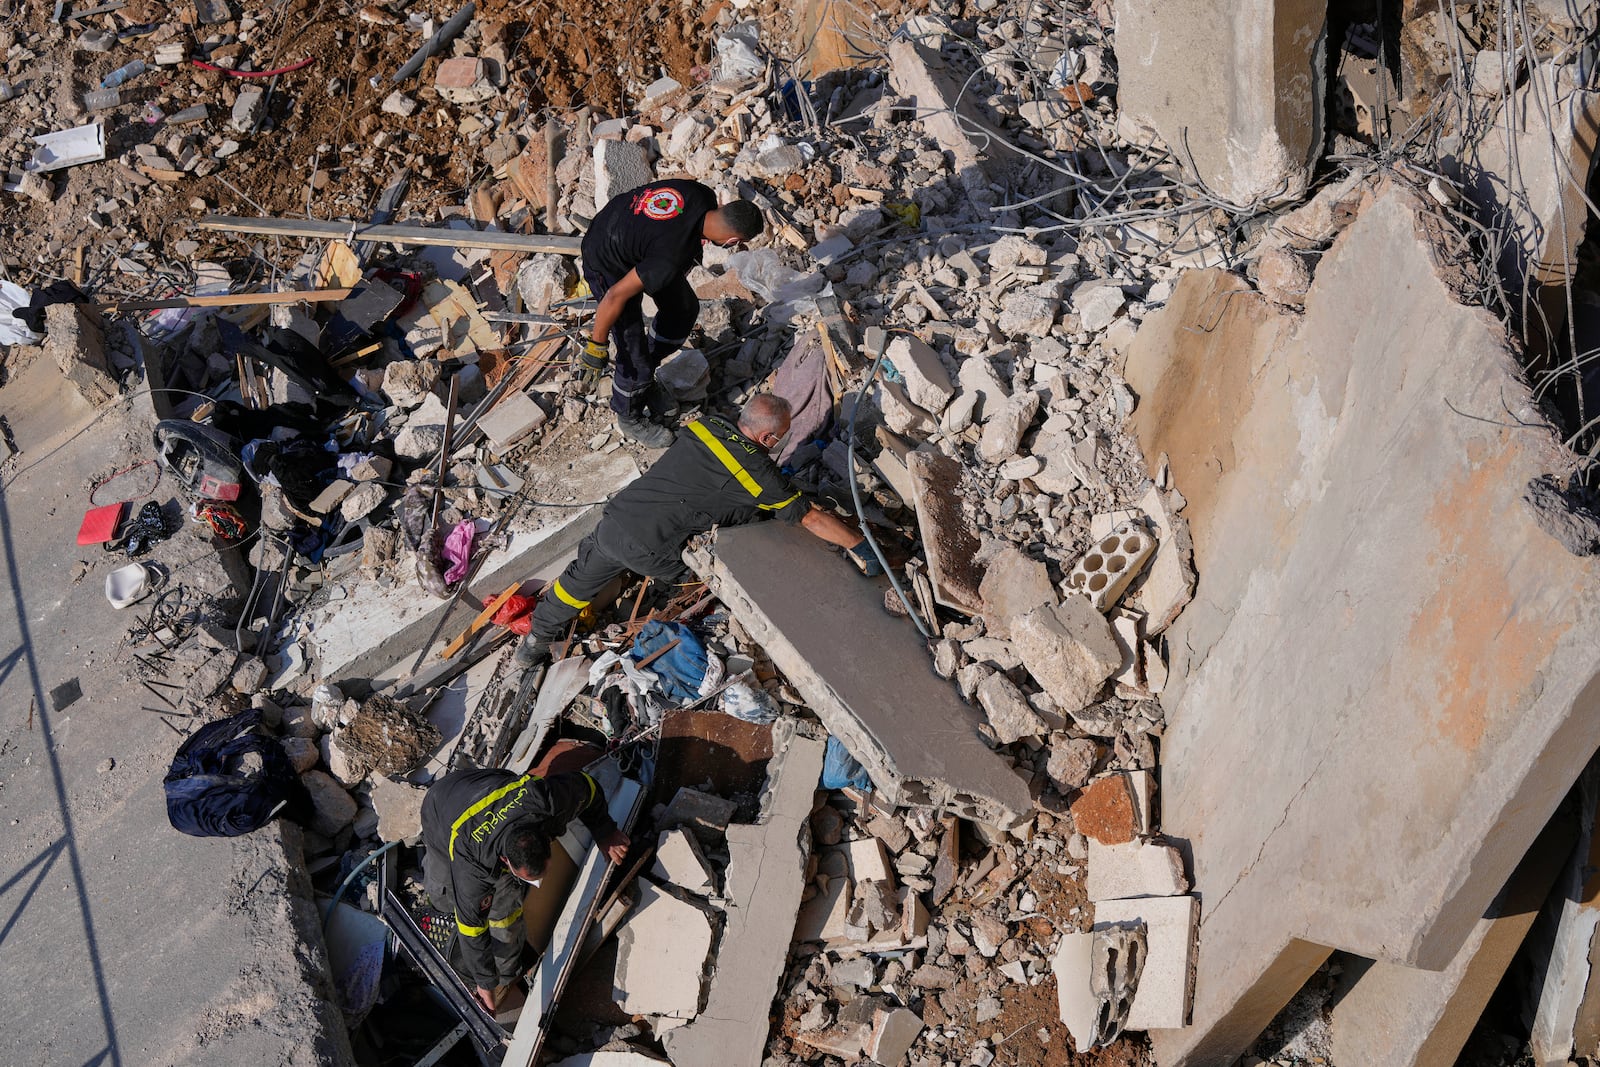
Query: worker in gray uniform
{"type": "Point", "coordinates": [717, 473]}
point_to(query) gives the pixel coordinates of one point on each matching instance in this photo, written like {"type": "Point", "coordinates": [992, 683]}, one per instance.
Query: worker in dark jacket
{"type": "Point", "coordinates": [645, 241]}
{"type": "Point", "coordinates": [716, 474]}
{"type": "Point", "coordinates": [488, 836]}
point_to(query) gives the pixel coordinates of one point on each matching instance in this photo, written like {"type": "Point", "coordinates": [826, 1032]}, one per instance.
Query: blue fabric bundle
{"type": "Point", "coordinates": [683, 669]}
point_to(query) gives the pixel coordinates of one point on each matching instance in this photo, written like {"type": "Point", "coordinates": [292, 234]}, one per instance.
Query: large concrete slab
{"type": "Point", "coordinates": [865, 674]}
{"type": "Point", "coordinates": [1387, 680]}
{"type": "Point", "coordinates": [766, 876]}
{"type": "Point", "coordinates": [374, 632]}
{"type": "Point", "coordinates": [1234, 87]}
{"type": "Point", "coordinates": [1386, 1015]}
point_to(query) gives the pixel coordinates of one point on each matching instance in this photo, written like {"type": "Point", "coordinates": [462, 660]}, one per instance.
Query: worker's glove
{"type": "Point", "coordinates": [591, 365]}
{"type": "Point", "coordinates": [862, 556]}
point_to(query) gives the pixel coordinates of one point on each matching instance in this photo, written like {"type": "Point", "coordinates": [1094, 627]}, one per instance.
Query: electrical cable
{"type": "Point", "coordinates": [855, 498]}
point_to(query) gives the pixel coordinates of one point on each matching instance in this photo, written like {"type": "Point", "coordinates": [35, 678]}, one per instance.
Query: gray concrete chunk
{"type": "Point", "coordinates": [766, 873]}
{"type": "Point", "coordinates": [661, 956]}
{"type": "Point", "coordinates": [927, 380]}
{"type": "Point", "coordinates": [825, 629]}
{"type": "Point", "coordinates": [1069, 649]}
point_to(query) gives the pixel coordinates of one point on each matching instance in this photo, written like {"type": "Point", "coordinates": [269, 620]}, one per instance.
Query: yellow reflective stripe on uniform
{"type": "Point", "coordinates": [720, 450]}
{"type": "Point", "coordinates": [470, 931]}
{"type": "Point", "coordinates": [455, 827]}
{"type": "Point", "coordinates": [780, 505]}
{"type": "Point", "coordinates": [567, 598]}
{"type": "Point", "coordinates": [501, 924]}
{"type": "Point", "coordinates": [592, 788]}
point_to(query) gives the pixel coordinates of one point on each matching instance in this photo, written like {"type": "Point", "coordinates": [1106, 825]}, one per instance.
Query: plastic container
{"type": "Point", "coordinates": [126, 585]}
{"type": "Point", "coordinates": [7, 91]}
{"type": "Point", "coordinates": [102, 99]}
{"type": "Point", "coordinates": [122, 74]}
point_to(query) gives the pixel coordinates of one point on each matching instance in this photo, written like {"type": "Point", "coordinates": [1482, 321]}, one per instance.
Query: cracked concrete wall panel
{"type": "Point", "coordinates": [1234, 87]}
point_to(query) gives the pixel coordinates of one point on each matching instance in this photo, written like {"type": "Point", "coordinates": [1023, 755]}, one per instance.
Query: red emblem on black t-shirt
{"type": "Point", "coordinates": [658, 205]}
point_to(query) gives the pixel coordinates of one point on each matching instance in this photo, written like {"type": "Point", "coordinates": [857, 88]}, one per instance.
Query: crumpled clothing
{"type": "Point", "coordinates": [231, 777]}
{"type": "Point", "coordinates": [457, 550]}
{"type": "Point", "coordinates": [423, 539]}
{"type": "Point", "coordinates": [62, 292]}
{"type": "Point", "coordinates": [750, 703]}
{"type": "Point", "coordinates": [841, 770]}
{"type": "Point", "coordinates": [802, 380]}
{"type": "Point", "coordinates": [687, 672]}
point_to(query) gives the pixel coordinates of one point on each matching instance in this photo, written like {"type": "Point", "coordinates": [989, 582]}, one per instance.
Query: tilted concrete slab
{"type": "Point", "coordinates": [766, 876]}
{"type": "Point", "coordinates": [1234, 88]}
{"type": "Point", "coordinates": [1387, 1014]}
{"type": "Point", "coordinates": [1387, 680]}
{"type": "Point", "coordinates": [949, 114]}
{"type": "Point", "coordinates": [862, 672]}
{"type": "Point", "coordinates": [375, 632]}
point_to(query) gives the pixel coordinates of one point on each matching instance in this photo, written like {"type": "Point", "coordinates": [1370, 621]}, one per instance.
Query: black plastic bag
{"type": "Point", "coordinates": [147, 529]}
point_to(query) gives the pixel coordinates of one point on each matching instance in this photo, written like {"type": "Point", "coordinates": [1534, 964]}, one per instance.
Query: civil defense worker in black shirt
{"type": "Point", "coordinates": [645, 241]}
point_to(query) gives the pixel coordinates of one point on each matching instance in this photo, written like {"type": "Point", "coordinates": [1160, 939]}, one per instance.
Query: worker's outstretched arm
{"type": "Point", "coordinates": [831, 528]}
{"type": "Point", "coordinates": [834, 530]}
{"type": "Point", "coordinates": [605, 316]}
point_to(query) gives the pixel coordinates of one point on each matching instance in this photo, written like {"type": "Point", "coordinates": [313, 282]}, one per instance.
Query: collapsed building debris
{"type": "Point", "coordinates": [1116, 484]}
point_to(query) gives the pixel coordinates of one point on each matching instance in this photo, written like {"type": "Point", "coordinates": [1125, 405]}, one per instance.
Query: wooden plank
{"type": "Point", "coordinates": [479, 622]}
{"type": "Point", "coordinates": [449, 302]}
{"type": "Point", "coordinates": [395, 234]}
{"type": "Point", "coordinates": [312, 296]}
{"type": "Point", "coordinates": [339, 266]}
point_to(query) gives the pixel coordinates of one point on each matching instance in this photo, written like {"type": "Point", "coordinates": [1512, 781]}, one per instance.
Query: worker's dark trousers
{"type": "Point", "coordinates": [507, 934]}
{"type": "Point", "coordinates": [640, 350]}
{"type": "Point", "coordinates": [602, 556]}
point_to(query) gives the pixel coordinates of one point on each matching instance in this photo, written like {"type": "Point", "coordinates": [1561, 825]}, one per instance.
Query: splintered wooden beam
{"type": "Point", "coordinates": [478, 623]}
{"type": "Point", "coordinates": [225, 300]}
{"type": "Point", "coordinates": [394, 234]}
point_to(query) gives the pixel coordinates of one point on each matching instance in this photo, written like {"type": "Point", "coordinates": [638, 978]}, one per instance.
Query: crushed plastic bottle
{"type": "Point", "coordinates": [122, 74]}
{"type": "Point", "coordinates": [102, 99]}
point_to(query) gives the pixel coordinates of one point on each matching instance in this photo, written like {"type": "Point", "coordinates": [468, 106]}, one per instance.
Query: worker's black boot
{"type": "Point", "coordinates": [660, 403]}
{"type": "Point", "coordinates": [534, 651]}
{"type": "Point", "coordinates": [639, 429]}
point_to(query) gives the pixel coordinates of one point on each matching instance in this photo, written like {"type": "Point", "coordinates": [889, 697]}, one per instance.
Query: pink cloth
{"type": "Point", "coordinates": [458, 550]}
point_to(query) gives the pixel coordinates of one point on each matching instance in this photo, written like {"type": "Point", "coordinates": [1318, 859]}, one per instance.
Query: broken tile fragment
{"type": "Point", "coordinates": [1106, 811]}
{"type": "Point", "coordinates": [1134, 869]}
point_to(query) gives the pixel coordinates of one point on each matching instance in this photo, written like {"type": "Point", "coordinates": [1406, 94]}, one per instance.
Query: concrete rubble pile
{"type": "Point", "coordinates": [1066, 367]}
